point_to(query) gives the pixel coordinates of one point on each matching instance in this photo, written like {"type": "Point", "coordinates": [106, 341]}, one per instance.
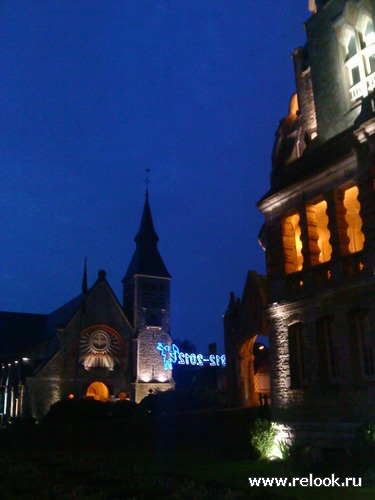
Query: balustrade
{"type": "Point", "coordinates": [320, 277]}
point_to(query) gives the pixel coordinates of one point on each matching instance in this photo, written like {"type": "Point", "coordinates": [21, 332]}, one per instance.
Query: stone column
{"type": "Point", "coordinates": [338, 228]}
{"type": "Point", "coordinates": [275, 260]}
{"type": "Point", "coordinates": [309, 238]}
{"type": "Point", "coordinates": [366, 198]}
{"type": "Point", "coordinates": [337, 225]}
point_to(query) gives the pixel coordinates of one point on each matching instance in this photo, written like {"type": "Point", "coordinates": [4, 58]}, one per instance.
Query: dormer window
{"type": "Point", "coordinates": [358, 41]}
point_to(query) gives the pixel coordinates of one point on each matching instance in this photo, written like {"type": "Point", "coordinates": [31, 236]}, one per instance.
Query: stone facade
{"type": "Point", "coordinates": [93, 346]}
{"type": "Point", "coordinates": [319, 231]}
{"type": "Point", "coordinates": [244, 322]}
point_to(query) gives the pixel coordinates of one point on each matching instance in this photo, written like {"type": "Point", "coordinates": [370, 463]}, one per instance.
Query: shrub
{"type": "Point", "coordinates": [77, 410]}
{"type": "Point", "coordinates": [262, 436]}
{"type": "Point", "coordinates": [284, 450]}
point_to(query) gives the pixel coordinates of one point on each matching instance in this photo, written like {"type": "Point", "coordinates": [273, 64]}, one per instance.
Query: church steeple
{"type": "Point", "coordinates": [146, 228]}
{"type": "Point", "coordinates": [147, 260]}
{"type": "Point", "coordinates": [147, 307]}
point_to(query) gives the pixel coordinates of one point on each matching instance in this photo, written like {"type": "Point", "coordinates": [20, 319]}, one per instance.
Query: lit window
{"type": "Point", "coordinates": [320, 249]}
{"type": "Point", "coordinates": [297, 355]}
{"type": "Point", "coordinates": [98, 391]}
{"type": "Point", "coordinates": [323, 232]}
{"type": "Point", "coordinates": [292, 244]}
{"type": "Point", "coordinates": [353, 219]}
{"type": "Point", "coordinates": [359, 53]}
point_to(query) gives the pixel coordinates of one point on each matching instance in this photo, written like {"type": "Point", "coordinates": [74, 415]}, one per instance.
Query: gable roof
{"type": "Point", "coordinates": [62, 315]}
{"type": "Point", "coordinates": [22, 332]}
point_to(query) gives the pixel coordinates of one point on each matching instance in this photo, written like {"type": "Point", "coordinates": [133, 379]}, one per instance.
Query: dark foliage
{"type": "Point", "coordinates": [182, 400]}
{"type": "Point", "coordinates": [77, 410]}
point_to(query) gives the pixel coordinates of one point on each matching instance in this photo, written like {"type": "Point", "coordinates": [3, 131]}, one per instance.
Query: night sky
{"type": "Point", "coordinates": [95, 92]}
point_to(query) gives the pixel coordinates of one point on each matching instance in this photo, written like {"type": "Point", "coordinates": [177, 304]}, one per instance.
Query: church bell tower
{"type": "Point", "coordinates": [146, 300]}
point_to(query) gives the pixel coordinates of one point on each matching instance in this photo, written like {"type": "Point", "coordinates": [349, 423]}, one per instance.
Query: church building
{"type": "Point", "coordinates": [93, 346]}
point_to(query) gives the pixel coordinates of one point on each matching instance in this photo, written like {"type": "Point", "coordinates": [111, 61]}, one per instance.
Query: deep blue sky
{"type": "Point", "coordinates": [94, 92]}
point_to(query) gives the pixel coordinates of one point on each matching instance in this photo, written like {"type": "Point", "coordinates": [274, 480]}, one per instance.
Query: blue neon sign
{"type": "Point", "coordinates": [171, 355]}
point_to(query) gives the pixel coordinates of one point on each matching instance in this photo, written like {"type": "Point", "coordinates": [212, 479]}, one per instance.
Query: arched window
{"type": "Point", "coordinates": [98, 391]}
{"type": "Point", "coordinates": [358, 42]}
{"type": "Point", "coordinates": [353, 219]}
{"type": "Point", "coordinates": [292, 243]}
{"type": "Point", "coordinates": [318, 213]}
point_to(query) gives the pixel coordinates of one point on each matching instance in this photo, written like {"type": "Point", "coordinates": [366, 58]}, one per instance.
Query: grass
{"type": "Point", "coordinates": [202, 456]}
{"type": "Point", "coordinates": [168, 474]}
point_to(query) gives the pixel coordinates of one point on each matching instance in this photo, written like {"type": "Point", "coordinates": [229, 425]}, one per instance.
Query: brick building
{"type": "Point", "coordinates": [319, 230]}
{"type": "Point", "coordinates": [92, 346]}
{"type": "Point", "coordinates": [245, 325]}
{"type": "Point", "coordinates": [317, 302]}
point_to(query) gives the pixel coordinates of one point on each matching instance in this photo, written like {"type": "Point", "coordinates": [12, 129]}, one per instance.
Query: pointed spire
{"type": "Point", "coordinates": [147, 259]}
{"type": "Point", "coordinates": [146, 230]}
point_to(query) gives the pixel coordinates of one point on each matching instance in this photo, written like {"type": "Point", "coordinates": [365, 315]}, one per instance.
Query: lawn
{"type": "Point", "coordinates": [197, 455]}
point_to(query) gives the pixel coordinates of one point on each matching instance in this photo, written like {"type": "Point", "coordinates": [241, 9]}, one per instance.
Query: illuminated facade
{"type": "Point", "coordinates": [93, 346]}
{"type": "Point", "coordinates": [247, 369]}
{"type": "Point", "coordinates": [146, 288]}
{"type": "Point", "coordinates": [319, 231]}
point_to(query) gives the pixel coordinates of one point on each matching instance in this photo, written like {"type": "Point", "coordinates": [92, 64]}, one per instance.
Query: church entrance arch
{"type": "Point", "coordinates": [98, 391]}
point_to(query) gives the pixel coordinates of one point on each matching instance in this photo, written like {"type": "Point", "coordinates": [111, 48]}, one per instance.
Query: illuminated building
{"type": "Point", "coordinates": [92, 346]}
{"type": "Point", "coordinates": [319, 231]}
{"type": "Point", "coordinates": [247, 373]}
{"type": "Point", "coordinates": [146, 302]}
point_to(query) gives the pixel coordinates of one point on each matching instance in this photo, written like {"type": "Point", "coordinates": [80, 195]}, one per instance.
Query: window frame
{"type": "Point", "coordinates": [297, 356]}
{"type": "Point", "coordinates": [362, 351]}
{"type": "Point", "coordinates": [365, 49]}
{"type": "Point", "coordinates": [327, 352]}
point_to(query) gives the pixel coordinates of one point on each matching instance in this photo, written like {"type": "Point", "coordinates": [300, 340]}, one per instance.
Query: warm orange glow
{"type": "Point", "coordinates": [98, 391]}
{"type": "Point", "coordinates": [293, 105]}
{"type": "Point", "coordinates": [247, 373]}
{"type": "Point", "coordinates": [292, 244]}
{"type": "Point", "coordinates": [71, 396]}
{"type": "Point", "coordinates": [323, 232]}
{"type": "Point", "coordinates": [353, 220]}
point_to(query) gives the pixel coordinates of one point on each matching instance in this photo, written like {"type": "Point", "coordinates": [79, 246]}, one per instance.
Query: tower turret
{"type": "Point", "coordinates": [146, 300]}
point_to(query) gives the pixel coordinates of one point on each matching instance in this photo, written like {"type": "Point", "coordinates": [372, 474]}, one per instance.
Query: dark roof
{"type": "Point", "coordinates": [147, 259]}
{"type": "Point", "coordinates": [20, 331]}
{"type": "Point", "coordinates": [63, 314]}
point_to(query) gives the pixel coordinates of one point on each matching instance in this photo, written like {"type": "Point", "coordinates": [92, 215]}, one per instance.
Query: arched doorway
{"type": "Point", "coordinates": [254, 372]}
{"type": "Point", "coordinates": [98, 391]}
{"type": "Point", "coordinates": [247, 373]}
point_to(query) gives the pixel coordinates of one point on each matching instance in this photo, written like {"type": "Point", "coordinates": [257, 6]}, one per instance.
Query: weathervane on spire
{"type": "Point", "coordinates": [147, 180]}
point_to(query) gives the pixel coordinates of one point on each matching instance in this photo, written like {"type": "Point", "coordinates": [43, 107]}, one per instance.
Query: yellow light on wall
{"type": "Point", "coordinates": [292, 244]}
{"type": "Point", "coordinates": [323, 231]}
{"type": "Point", "coordinates": [353, 220]}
